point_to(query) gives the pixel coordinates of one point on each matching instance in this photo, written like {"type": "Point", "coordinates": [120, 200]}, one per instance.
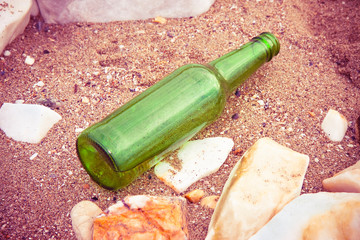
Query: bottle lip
{"type": "Point", "coordinates": [271, 42]}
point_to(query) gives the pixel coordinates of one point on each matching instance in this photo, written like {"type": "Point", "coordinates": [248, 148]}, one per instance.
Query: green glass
{"type": "Point", "coordinates": [140, 133]}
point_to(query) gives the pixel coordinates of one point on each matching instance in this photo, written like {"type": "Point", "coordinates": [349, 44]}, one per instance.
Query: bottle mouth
{"type": "Point", "coordinates": [271, 42]}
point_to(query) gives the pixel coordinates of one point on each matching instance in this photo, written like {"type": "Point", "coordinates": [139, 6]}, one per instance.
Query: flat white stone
{"type": "Point", "coordinates": [14, 15]}
{"type": "Point", "coordinates": [317, 216]}
{"type": "Point", "coordinates": [199, 159]}
{"type": "Point", "coordinates": [82, 217]}
{"type": "Point", "coordinates": [27, 122]}
{"type": "Point", "coordinates": [266, 178]}
{"type": "Point", "coordinates": [55, 11]}
{"type": "Point", "coordinates": [334, 125]}
{"type": "Point", "coordinates": [347, 180]}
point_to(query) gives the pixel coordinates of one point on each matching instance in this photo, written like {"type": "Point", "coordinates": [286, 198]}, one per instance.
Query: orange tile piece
{"type": "Point", "coordinates": [143, 217]}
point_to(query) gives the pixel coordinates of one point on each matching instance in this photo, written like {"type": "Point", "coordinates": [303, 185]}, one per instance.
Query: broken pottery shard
{"type": "Point", "coordinates": [316, 216]}
{"type": "Point", "coordinates": [266, 178]}
{"type": "Point", "coordinates": [334, 125]}
{"type": "Point", "coordinates": [27, 122]}
{"type": "Point", "coordinates": [347, 180]}
{"type": "Point", "coordinates": [143, 217]}
{"type": "Point", "coordinates": [198, 158]}
{"type": "Point", "coordinates": [54, 11]}
{"type": "Point", "coordinates": [15, 16]}
{"type": "Point", "coordinates": [82, 218]}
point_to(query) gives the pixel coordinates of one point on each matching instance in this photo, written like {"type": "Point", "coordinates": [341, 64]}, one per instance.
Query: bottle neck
{"type": "Point", "coordinates": [236, 66]}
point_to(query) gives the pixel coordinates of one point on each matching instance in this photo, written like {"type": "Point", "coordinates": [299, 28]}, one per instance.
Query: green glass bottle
{"type": "Point", "coordinates": [137, 135]}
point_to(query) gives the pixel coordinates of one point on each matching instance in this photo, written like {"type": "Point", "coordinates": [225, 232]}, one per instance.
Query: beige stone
{"type": "Point", "coordinates": [317, 216]}
{"type": "Point", "coordinates": [82, 217]}
{"type": "Point", "coordinates": [267, 177]}
{"type": "Point", "coordinates": [347, 180]}
{"type": "Point", "coordinates": [143, 217]}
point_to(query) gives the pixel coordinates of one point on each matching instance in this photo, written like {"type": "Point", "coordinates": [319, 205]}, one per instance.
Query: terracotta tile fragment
{"type": "Point", "coordinates": [143, 217]}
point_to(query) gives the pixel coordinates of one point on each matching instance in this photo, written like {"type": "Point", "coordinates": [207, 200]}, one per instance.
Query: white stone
{"type": "Point", "coordinates": [334, 125]}
{"type": "Point", "coordinates": [54, 11]}
{"type": "Point", "coordinates": [317, 216]}
{"type": "Point", "coordinates": [265, 179]}
{"type": "Point", "coordinates": [29, 60]}
{"type": "Point", "coordinates": [199, 159]}
{"type": "Point", "coordinates": [7, 53]}
{"type": "Point", "coordinates": [14, 15]}
{"type": "Point", "coordinates": [82, 217]}
{"type": "Point", "coordinates": [347, 180]}
{"type": "Point", "coordinates": [27, 122]}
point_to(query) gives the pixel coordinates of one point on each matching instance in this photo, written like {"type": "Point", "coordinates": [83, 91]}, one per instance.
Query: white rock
{"type": "Point", "coordinates": [7, 53]}
{"type": "Point", "coordinates": [334, 125]}
{"type": "Point", "coordinates": [267, 177]}
{"type": "Point", "coordinates": [199, 159]}
{"type": "Point", "coordinates": [82, 217]}
{"type": "Point", "coordinates": [317, 216]}
{"type": "Point", "coordinates": [54, 11]}
{"type": "Point", "coordinates": [29, 60]}
{"type": "Point", "coordinates": [14, 15]}
{"type": "Point", "coordinates": [347, 180]}
{"type": "Point", "coordinates": [27, 122]}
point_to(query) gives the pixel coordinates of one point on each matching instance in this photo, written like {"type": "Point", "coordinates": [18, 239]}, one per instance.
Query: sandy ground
{"type": "Point", "coordinates": [105, 62]}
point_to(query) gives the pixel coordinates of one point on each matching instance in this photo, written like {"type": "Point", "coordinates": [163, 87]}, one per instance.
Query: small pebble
{"type": "Point", "coordinates": [209, 202]}
{"type": "Point", "coordinates": [39, 84]}
{"type": "Point", "coordinates": [85, 100]}
{"type": "Point", "coordinates": [195, 195]}
{"type": "Point", "coordinates": [7, 53]}
{"type": "Point", "coordinates": [33, 156]}
{"type": "Point", "coordinates": [29, 60]}
{"type": "Point", "coordinates": [261, 102]}
{"type": "Point", "coordinates": [235, 116]}
{"type": "Point", "coordinates": [79, 130]}
{"type": "Point", "coordinates": [160, 20]}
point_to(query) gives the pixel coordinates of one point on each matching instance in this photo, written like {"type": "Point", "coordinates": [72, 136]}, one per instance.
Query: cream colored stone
{"type": "Point", "coordinates": [317, 216]}
{"type": "Point", "coordinates": [347, 180]}
{"type": "Point", "coordinates": [82, 217]}
{"type": "Point", "coordinates": [266, 178]}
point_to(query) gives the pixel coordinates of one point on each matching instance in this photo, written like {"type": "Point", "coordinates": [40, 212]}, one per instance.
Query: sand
{"type": "Point", "coordinates": [92, 69]}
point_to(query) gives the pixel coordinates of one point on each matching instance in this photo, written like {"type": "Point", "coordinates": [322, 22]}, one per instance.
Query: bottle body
{"type": "Point", "coordinates": [136, 136]}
